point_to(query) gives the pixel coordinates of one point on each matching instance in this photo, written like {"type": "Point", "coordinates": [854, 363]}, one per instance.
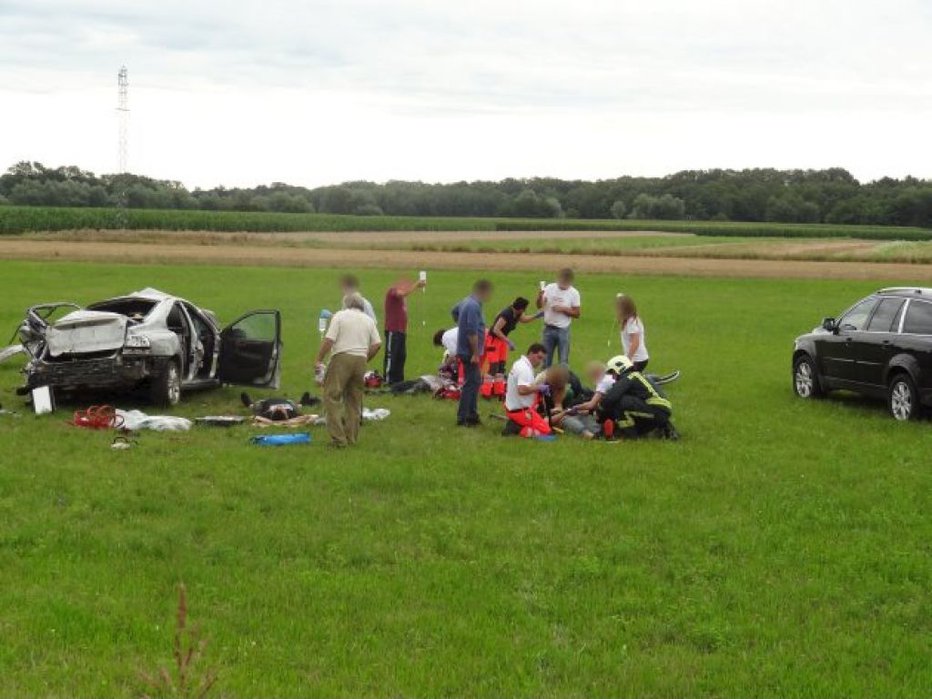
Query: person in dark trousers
{"type": "Point", "coordinates": [497, 343]}
{"type": "Point", "coordinates": [634, 404]}
{"type": "Point", "coordinates": [396, 328]}
{"type": "Point", "coordinates": [469, 350]}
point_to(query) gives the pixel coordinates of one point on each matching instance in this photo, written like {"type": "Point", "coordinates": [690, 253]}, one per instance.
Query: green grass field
{"type": "Point", "coordinates": [21, 219]}
{"type": "Point", "coordinates": [780, 549]}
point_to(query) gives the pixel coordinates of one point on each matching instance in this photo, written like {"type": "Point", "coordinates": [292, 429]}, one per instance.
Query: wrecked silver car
{"type": "Point", "coordinates": [147, 339]}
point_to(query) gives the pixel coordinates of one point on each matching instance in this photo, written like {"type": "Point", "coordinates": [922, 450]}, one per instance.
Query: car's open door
{"type": "Point", "coordinates": [250, 350]}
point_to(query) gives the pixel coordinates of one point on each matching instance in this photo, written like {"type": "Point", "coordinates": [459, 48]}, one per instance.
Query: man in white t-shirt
{"type": "Point", "coordinates": [523, 393]}
{"type": "Point", "coordinates": [560, 302]}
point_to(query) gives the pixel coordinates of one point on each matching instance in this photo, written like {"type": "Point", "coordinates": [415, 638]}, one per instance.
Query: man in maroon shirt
{"type": "Point", "coordinates": [396, 328]}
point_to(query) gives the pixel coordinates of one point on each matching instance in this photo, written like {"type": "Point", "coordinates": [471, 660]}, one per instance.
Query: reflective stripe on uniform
{"type": "Point", "coordinates": [655, 398]}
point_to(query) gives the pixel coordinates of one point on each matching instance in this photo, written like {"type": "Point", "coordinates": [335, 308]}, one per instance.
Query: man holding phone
{"type": "Point", "coordinates": [560, 302]}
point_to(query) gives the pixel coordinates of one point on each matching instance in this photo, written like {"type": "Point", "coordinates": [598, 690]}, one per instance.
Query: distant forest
{"type": "Point", "coordinates": [786, 196]}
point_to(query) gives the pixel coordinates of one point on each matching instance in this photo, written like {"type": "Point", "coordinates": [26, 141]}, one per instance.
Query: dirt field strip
{"type": "Point", "coordinates": [770, 249]}
{"type": "Point", "coordinates": [257, 256]}
{"type": "Point", "coordinates": [349, 238]}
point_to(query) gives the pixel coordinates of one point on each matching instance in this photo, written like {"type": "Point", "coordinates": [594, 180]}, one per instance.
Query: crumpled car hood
{"type": "Point", "coordinates": [84, 332]}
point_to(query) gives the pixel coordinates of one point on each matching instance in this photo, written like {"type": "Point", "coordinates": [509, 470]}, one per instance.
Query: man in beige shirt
{"type": "Point", "coordinates": [351, 341]}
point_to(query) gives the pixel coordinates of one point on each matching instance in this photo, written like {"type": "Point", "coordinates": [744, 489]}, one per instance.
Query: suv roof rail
{"type": "Point", "coordinates": [918, 290]}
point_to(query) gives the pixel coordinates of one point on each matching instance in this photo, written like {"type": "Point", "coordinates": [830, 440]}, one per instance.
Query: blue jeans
{"type": "Point", "coordinates": [469, 393]}
{"type": "Point", "coordinates": [556, 339]}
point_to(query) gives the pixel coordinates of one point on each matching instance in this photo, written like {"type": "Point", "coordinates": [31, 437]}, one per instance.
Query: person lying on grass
{"type": "Point", "coordinates": [563, 404]}
{"type": "Point", "coordinates": [580, 419]}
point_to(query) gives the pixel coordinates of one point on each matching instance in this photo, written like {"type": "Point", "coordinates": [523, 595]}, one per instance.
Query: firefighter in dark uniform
{"type": "Point", "coordinates": [635, 404]}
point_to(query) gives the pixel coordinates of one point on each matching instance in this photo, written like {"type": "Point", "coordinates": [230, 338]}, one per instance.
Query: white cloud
{"type": "Point", "coordinates": [316, 92]}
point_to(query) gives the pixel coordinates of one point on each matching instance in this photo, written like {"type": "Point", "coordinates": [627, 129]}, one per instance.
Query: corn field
{"type": "Point", "coordinates": [27, 219]}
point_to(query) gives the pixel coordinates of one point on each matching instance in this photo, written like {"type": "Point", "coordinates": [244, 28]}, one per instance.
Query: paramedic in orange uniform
{"type": "Point", "coordinates": [497, 343]}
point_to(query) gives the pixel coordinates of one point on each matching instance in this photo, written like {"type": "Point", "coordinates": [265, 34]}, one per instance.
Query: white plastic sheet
{"type": "Point", "coordinates": [135, 420]}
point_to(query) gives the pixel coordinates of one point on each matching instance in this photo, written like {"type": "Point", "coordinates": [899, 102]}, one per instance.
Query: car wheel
{"type": "Point", "coordinates": [805, 379]}
{"type": "Point", "coordinates": [166, 386]}
{"type": "Point", "coordinates": [903, 398]}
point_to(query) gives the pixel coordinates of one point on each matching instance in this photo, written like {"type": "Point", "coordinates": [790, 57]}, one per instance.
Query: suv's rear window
{"type": "Point", "coordinates": [918, 318]}
{"type": "Point", "coordinates": [887, 316]}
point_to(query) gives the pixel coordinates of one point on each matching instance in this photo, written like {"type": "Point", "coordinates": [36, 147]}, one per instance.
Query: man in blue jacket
{"type": "Point", "coordinates": [469, 346]}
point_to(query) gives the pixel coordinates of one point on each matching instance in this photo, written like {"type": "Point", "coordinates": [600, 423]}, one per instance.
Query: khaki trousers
{"type": "Point", "coordinates": [343, 397]}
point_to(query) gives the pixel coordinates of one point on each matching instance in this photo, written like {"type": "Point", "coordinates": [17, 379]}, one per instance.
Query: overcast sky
{"type": "Point", "coordinates": [311, 92]}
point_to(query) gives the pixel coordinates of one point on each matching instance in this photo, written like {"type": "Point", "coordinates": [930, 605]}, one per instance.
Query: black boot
{"type": "Point", "coordinates": [668, 431]}
{"type": "Point", "coordinates": [511, 429]}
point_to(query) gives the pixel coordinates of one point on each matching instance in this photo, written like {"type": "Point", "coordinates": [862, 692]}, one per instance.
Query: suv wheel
{"type": "Point", "coordinates": [166, 386]}
{"type": "Point", "coordinates": [805, 380]}
{"type": "Point", "coordinates": [903, 398]}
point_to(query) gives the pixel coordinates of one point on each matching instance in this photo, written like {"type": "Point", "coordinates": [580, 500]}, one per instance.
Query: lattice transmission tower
{"type": "Point", "coordinates": [123, 115]}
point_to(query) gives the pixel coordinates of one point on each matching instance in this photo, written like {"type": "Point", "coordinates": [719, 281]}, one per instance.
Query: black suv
{"type": "Point", "coordinates": [881, 346]}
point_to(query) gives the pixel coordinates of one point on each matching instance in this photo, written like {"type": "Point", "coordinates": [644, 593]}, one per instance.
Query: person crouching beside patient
{"type": "Point", "coordinates": [450, 364]}
{"type": "Point", "coordinates": [524, 393]}
{"type": "Point", "coordinates": [634, 404]}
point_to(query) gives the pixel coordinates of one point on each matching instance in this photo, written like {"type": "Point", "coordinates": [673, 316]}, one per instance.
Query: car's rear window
{"type": "Point", "coordinates": [918, 318]}
{"type": "Point", "coordinates": [132, 308]}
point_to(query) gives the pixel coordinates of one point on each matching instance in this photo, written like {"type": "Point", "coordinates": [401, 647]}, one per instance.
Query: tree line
{"type": "Point", "coordinates": [755, 195]}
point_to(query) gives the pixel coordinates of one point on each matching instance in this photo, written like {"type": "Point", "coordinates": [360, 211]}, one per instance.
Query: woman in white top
{"type": "Point", "coordinates": [633, 342]}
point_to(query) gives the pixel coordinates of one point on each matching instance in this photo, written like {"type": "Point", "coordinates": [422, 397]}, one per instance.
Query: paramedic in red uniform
{"type": "Point", "coordinates": [396, 328]}
{"type": "Point", "coordinates": [524, 393]}
{"type": "Point", "coordinates": [497, 343]}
